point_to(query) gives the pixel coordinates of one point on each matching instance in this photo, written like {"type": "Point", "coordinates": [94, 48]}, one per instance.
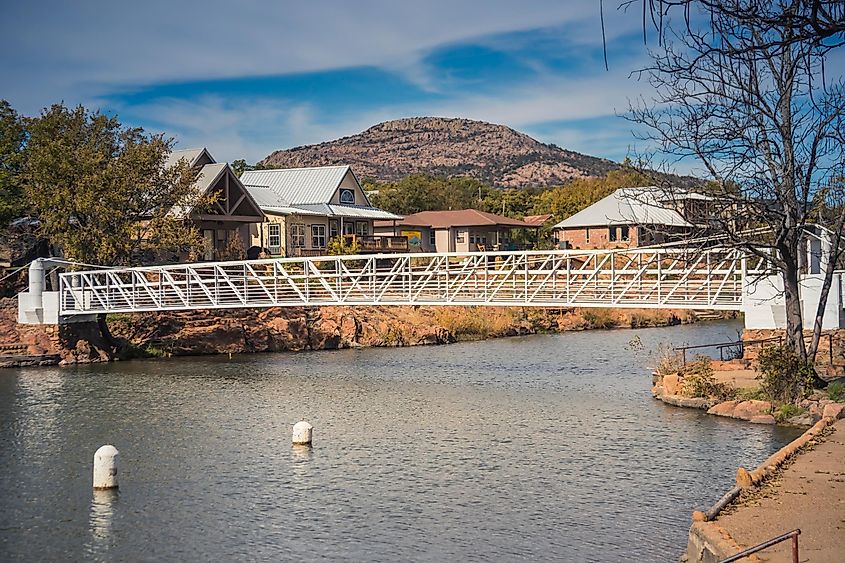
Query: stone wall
{"type": "Point", "coordinates": [22, 345]}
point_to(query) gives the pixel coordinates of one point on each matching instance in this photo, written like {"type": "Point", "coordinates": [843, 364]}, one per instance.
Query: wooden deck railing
{"type": "Point", "coordinates": [374, 244]}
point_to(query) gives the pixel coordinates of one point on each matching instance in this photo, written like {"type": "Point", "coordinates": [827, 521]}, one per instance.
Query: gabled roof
{"type": "Point", "coordinates": [306, 191]}
{"type": "Point", "coordinates": [461, 218]}
{"type": "Point", "coordinates": [298, 185]}
{"type": "Point", "coordinates": [208, 175]}
{"type": "Point", "coordinates": [192, 156]}
{"type": "Point", "coordinates": [628, 206]}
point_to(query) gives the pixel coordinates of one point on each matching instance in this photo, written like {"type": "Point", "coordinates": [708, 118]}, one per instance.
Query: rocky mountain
{"type": "Point", "coordinates": [495, 154]}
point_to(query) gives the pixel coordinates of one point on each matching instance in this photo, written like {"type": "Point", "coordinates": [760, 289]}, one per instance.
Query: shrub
{"type": "Point", "coordinates": [785, 412]}
{"type": "Point", "coordinates": [669, 361]}
{"type": "Point", "coordinates": [785, 378]}
{"type": "Point", "coordinates": [699, 381]}
{"type": "Point", "coordinates": [836, 391]}
{"type": "Point", "coordinates": [338, 246]}
{"type": "Point", "coordinates": [752, 394]}
{"type": "Point", "coordinates": [599, 317]}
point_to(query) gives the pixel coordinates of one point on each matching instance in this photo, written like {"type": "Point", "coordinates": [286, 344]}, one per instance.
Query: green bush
{"type": "Point", "coordinates": [338, 246]}
{"type": "Point", "coordinates": [699, 381]}
{"type": "Point", "coordinates": [785, 412]}
{"type": "Point", "coordinates": [785, 378]}
{"type": "Point", "coordinates": [836, 391]}
{"type": "Point", "coordinates": [752, 394]}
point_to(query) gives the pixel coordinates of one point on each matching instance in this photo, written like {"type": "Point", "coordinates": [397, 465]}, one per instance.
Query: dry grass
{"type": "Point", "coordinates": [477, 322]}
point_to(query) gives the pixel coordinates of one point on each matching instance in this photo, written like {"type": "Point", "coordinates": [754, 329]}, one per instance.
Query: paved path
{"type": "Point", "coordinates": [810, 495]}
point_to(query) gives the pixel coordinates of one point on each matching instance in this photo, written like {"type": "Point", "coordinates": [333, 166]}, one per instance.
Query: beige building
{"type": "Point", "coordinates": [226, 226]}
{"type": "Point", "coordinates": [465, 230]}
{"type": "Point", "coordinates": [307, 207]}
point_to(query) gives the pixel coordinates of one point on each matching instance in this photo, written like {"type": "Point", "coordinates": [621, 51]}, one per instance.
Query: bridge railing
{"type": "Point", "coordinates": [710, 278]}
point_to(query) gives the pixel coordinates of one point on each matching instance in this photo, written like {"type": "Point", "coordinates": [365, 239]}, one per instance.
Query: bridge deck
{"type": "Point", "coordinates": [643, 278]}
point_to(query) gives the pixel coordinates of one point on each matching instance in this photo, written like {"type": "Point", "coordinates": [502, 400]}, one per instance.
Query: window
{"type": "Point", "coordinates": [318, 236]}
{"type": "Point", "coordinates": [611, 234]}
{"type": "Point", "coordinates": [274, 237]}
{"type": "Point", "coordinates": [297, 235]}
{"type": "Point", "coordinates": [362, 228]}
{"type": "Point", "coordinates": [587, 234]}
{"type": "Point", "coordinates": [432, 237]}
{"type": "Point", "coordinates": [349, 228]}
{"type": "Point", "coordinates": [347, 197]}
{"type": "Point", "coordinates": [460, 236]}
{"type": "Point", "coordinates": [472, 238]}
{"type": "Point", "coordinates": [626, 233]}
{"type": "Point", "coordinates": [333, 232]}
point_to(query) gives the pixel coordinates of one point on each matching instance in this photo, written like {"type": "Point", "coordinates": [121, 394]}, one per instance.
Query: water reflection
{"type": "Point", "coordinates": [100, 519]}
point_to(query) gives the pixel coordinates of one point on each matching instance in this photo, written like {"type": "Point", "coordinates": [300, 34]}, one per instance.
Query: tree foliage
{"type": "Point", "coordinates": [429, 193]}
{"type": "Point", "coordinates": [12, 138]}
{"type": "Point", "coordinates": [102, 191]}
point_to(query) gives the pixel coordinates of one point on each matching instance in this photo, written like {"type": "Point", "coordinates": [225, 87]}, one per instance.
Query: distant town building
{"type": "Point", "coordinates": [465, 230]}
{"type": "Point", "coordinates": [538, 220]}
{"type": "Point", "coordinates": [234, 210]}
{"type": "Point", "coordinates": [632, 217]}
{"type": "Point", "coordinates": [307, 207]}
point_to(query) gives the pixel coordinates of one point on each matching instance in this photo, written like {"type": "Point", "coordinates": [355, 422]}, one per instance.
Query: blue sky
{"type": "Point", "coordinates": [245, 78]}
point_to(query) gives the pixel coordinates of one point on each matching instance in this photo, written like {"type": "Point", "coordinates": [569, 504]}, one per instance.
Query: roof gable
{"type": "Point", "coordinates": [194, 157]}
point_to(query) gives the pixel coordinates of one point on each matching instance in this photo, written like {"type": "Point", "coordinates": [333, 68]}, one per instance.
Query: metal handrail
{"type": "Point", "coordinates": [743, 343]}
{"type": "Point", "coordinates": [760, 547]}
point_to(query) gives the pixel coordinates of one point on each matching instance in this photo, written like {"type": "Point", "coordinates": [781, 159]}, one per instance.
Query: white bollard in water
{"type": "Point", "coordinates": [302, 433]}
{"type": "Point", "coordinates": [105, 467]}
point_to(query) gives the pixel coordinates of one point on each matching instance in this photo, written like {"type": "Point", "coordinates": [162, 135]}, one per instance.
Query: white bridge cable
{"type": "Point", "coordinates": [710, 278]}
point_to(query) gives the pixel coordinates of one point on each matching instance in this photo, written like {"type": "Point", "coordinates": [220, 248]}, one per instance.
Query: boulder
{"type": "Point", "coordinates": [746, 410]}
{"type": "Point", "coordinates": [834, 411]}
{"type": "Point", "coordinates": [762, 419]}
{"type": "Point", "coordinates": [673, 384]}
{"type": "Point", "coordinates": [724, 409]}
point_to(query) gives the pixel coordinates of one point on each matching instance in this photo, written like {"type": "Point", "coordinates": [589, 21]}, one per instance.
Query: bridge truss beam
{"type": "Point", "coordinates": [642, 278]}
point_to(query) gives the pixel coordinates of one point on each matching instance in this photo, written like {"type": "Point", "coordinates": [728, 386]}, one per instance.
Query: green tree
{"type": "Point", "coordinates": [240, 166]}
{"type": "Point", "coordinates": [567, 200]}
{"type": "Point", "coordinates": [12, 138]}
{"type": "Point", "coordinates": [102, 191]}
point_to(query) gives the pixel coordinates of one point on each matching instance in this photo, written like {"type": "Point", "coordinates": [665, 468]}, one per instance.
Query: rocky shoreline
{"type": "Point", "coordinates": [817, 406]}
{"type": "Point", "coordinates": [294, 329]}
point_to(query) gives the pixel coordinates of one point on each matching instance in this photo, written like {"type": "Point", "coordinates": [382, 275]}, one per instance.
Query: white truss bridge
{"type": "Point", "coordinates": [711, 278]}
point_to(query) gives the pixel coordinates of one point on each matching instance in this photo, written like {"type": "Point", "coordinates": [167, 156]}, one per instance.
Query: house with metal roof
{"type": "Point", "coordinates": [307, 207]}
{"type": "Point", "coordinates": [226, 225]}
{"type": "Point", "coordinates": [631, 217]}
{"type": "Point", "coordinates": [464, 230]}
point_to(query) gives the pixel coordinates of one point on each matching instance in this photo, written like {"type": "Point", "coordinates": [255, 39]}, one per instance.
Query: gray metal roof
{"type": "Point", "coordinates": [628, 206]}
{"type": "Point", "coordinates": [361, 212]}
{"type": "Point", "coordinates": [298, 185]}
{"type": "Point", "coordinates": [190, 155]}
{"type": "Point", "coordinates": [207, 175]}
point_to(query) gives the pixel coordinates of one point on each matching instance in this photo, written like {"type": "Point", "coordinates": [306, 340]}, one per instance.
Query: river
{"type": "Point", "coordinates": [545, 447]}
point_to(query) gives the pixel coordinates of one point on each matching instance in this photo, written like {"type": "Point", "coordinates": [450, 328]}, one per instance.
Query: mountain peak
{"type": "Point", "coordinates": [492, 153]}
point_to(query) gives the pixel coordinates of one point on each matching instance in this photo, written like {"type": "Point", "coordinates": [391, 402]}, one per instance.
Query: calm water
{"type": "Point", "coordinates": [543, 447]}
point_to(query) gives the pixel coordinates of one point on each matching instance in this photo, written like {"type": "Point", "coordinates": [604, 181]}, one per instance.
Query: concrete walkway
{"type": "Point", "coordinates": [809, 494]}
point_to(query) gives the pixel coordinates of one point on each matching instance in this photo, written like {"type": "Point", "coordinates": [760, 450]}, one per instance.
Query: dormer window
{"type": "Point", "coordinates": [347, 197]}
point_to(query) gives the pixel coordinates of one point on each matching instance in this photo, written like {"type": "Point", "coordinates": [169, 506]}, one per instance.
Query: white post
{"type": "Point", "coordinates": [36, 282]}
{"type": "Point", "coordinates": [105, 467]}
{"type": "Point", "coordinates": [302, 433]}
